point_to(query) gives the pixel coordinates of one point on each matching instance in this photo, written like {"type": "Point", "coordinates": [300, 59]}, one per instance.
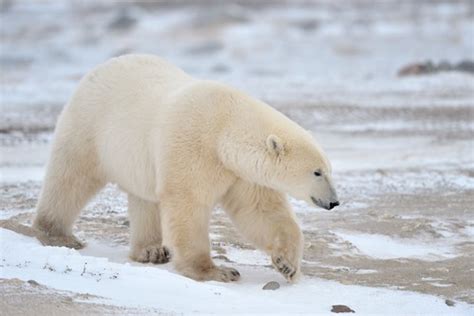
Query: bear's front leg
{"type": "Point", "coordinates": [286, 251]}
{"type": "Point", "coordinates": [185, 226]}
{"type": "Point", "coordinates": [265, 218]}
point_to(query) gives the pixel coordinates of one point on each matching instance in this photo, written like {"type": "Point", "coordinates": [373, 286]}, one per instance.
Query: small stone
{"type": "Point", "coordinates": [412, 69]}
{"type": "Point", "coordinates": [341, 309]}
{"type": "Point", "coordinates": [272, 285]}
{"type": "Point", "coordinates": [34, 283]}
{"type": "Point", "coordinates": [449, 302]}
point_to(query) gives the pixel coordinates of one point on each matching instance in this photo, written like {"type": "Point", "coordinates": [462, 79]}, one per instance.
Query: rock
{"type": "Point", "coordinates": [466, 66]}
{"type": "Point", "coordinates": [444, 66]}
{"type": "Point", "coordinates": [341, 309]}
{"type": "Point", "coordinates": [34, 283]}
{"type": "Point", "coordinates": [272, 285]}
{"type": "Point", "coordinates": [414, 69]}
{"type": "Point", "coordinates": [429, 67]}
{"type": "Point", "coordinates": [449, 303]}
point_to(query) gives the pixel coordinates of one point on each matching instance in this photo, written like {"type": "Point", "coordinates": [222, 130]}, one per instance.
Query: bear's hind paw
{"type": "Point", "coordinates": [61, 241]}
{"type": "Point", "coordinates": [154, 253]}
{"type": "Point", "coordinates": [221, 274]}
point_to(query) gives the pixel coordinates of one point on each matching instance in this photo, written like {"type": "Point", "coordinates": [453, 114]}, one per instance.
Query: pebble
{"type": "Point", "coordinates": [341, 309]}
{"type": "Point", "coordinates": [449, 302]}
{"type": "Point", "coordinates": [272, 285]}
{"type": "Point", "coordinates": [33, 282]}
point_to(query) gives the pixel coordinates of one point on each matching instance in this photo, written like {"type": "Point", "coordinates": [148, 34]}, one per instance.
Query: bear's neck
{"type": "Point", "coordinates": [242, 143]}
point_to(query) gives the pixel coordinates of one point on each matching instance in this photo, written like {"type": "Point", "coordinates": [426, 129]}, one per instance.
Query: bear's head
{"type": "Point", "coordinates": [300, 168]}
{"type": "Point", "coordinates": [290, 162]}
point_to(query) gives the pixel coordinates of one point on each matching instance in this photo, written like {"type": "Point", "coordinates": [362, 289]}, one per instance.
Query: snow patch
{"type": "Point", "coordinates": [385, 247]}
{"type": "Point", "coordinates": [247, 256]}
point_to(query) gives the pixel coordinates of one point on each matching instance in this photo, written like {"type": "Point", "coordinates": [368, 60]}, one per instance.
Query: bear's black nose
{"type": "Point", "coordinates": [333, 205]}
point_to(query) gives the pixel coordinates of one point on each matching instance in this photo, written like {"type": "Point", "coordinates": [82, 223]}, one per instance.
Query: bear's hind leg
{"type": "Point", "coordinates": [145, 231]}
{"type": "Point", "coordinates": [186, 231]}
{"type": "Point", "coordinates": [67, 188]}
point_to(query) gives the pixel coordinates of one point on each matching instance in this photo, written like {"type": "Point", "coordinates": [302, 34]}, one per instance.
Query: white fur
{"type": "Point", "coordinates": [179, 146]}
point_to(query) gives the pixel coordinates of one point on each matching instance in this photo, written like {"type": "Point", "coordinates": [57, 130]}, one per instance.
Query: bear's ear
{"type": "Point", "coordinates": [275, 144]}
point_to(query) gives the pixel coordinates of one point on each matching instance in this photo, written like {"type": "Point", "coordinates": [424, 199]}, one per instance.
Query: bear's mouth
{"type": "Point", "coordinates": [317, 202]}
{"type": "Point", "coordinates": [320, 204]}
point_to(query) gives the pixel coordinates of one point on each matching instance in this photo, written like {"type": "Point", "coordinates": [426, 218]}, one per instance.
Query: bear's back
{"type": "Point", "coordinates": [130, 74]}
{"type": "Point", "coordinates": [122, 88]}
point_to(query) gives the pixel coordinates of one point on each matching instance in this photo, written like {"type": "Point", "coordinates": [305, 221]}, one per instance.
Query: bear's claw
{"type": "Point", "coordinates": [213, 273]}
{"type": "Point", "coordinates": [285, 268]}
{"type": "Point", "coordinates": [227, 274]}
{"type": "Point", "coordinates": [154, 254]}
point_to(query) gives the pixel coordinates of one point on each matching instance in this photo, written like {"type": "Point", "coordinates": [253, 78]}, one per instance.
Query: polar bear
{"type": "Point", "coordinates": [178, 146]}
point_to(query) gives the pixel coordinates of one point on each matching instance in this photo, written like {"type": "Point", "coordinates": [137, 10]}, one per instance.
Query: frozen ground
{"type": "Point", "coordinates": [162, 291]}
{"type": "Point", "coordinates": [402, 152]}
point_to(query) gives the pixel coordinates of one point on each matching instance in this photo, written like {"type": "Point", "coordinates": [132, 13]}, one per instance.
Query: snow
{"type": "Point", "coordinates": [385, 247]}
{"type": "Point", "coordinates": [469, 231]}
{"type": "Point", "coordinates": [21, 173]}
{"type": "Point", "coordinates": [247, 256]}
{"type": "Point", "coordinates": [341, 43]}
{"type": "Point", "coordinates": [123, 284]}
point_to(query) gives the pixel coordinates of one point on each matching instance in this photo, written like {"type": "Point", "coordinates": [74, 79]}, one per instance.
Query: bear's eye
{"type": "Point", "coordinates": [317, 173]}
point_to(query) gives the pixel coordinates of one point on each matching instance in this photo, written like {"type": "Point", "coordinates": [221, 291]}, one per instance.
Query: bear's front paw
{"type": "Point", "coordinates": [286, 268]}
{"type": "Point", "coordinates": [153, 254]}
